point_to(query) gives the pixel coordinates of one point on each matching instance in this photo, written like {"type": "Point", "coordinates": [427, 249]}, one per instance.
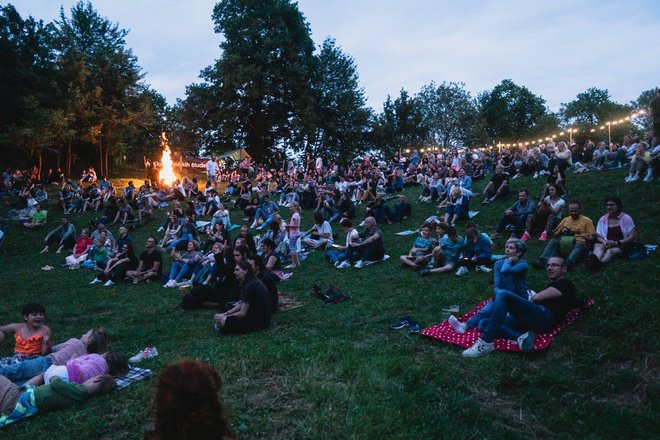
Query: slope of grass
{"type": "Point", "coordinates": [338, 371]}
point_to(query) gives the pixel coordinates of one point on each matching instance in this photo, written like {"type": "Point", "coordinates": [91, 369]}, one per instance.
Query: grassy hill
{"type": "Point", "coordinates": [338, 371]}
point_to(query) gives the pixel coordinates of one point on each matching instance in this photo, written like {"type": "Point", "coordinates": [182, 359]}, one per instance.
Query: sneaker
{"type": "Point", "coordinates": [458, 326]}
{"type": "Point", "coordinates": [359, 264]}
{"type": "Point", "coordinates": [634, 179]}
{"type": "Point", "coordinates": [648, 178]}
{"type": "Point", "coordinates": [479, 348]}
{"type": "Point", "coordinates": [627, 179]}
{"type": "Point", "coordinates": [486, 201]}
{"type": "Point", "coordinates": [344, 264]}
{"type": "Point", "coordinates": [544, 236]}
{"type": "Point", "coordinates": [536, 175]}
{"type": "Point", "coordinates": [108, 283]}
{"type": "Point", "coordinates": [413, 327]}
{"type": "Point", "coordinates": [147, 353]}
{"type": "Point", "coordinates": [291, 266]}
{"type": "Point", "coordinates": [161, 229]}
{"type": "Point", "coordinates": [526, 341]}
{"type": "Point", "coordinates": [484, 269]}
{"type": "Point", "coordinates": [401, 323]}
{"type": "Point", "coordinates": [461, 271]}
{"type": "Point", "coordinates": [525, 236]}
{"type": "Point", "coordinates": [95, 281]}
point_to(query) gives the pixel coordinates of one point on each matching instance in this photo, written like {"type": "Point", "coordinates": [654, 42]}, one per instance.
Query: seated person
{"type": "Point", "coordinates": [548, 211]}
{"type": "Point", "coordinates": [516, 318]}
{"type": "Point", "coordinates": [183, 265]}
{"type": "Point", "coordinates": [422, 247]}
{"type": "Point", "coordinates": [371, 247]}
{"type": "Point", "coordinates": [497, 187]}
{"type": "Point", "coordinates": [477, 251]}
{"type": "Point", "coordinates": [640, 163]}
{"type": "Point", "coordinates": [319, 235]}
{"type": "Point", "coordinates": [253, 311]}
{"type": "Point", "coordinates": [516, 215]}
{"type": "Point", "coordinates": [447, 254]}
{"type": "Point", "coordinates": [615, 234]}
{"type": "Point", "coordinates": [31, 337]}
{"type": "Point", "coordinates": [379, 210]}
{"type": "Point", "coordinates": [38, 219]}
{"type": "Point", "coordinates": [266, 211]}
{"type": "Point", "coordinates": [458, 206]}
{"type": "Point", "coordinates": [64, 235]}
{"type": "Point", "coordinates": [150, 266]}
{"type": "Point", "coordinates": [339, 254]}
{"type": "Point", "coordinates": [79, 254]}
{"type": "Point", "coordinates": [571, 234]}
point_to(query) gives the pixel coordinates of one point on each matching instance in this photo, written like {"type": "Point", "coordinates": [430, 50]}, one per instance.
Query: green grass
{"type": "Point", "coordinates": [338, 371]}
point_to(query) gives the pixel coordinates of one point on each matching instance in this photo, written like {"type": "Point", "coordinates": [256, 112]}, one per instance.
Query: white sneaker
{"type": "Point", "coordinates": [359, 264]}
{"type": "Point", "coordinates": [161, 229]}
{"type": "Point", "coordinates": [95, 281]}
{"type": "Point", "coordinates": [484, 269]}
{"type": "Point", "coordinates": [458, 326]}
{"type": "Point", "coordinates": [461, 271]}
{"type": "Point", "coordinates": [108, 283]}
{"type": "Point", "coordinates": [648, 178]}
{"type": "Point", "coordinates": [170, 283]}
{"type": "Point", "coordinates": [479, 348]}
{"type": "Point", "coordinates": [147, 353]}
{"type": "Point", "coordinates": [526, 341]}
{"type": "Point", "coordinates": [344, 264]}
{"type": "Point", "coordinates": [634, 179]}
{"type": "Point", "coordinates": [536, 174]}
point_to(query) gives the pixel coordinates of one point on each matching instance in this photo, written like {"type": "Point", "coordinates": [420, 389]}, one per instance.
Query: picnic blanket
{"type": "Point", "coordinates": [444, 332]}
{"type": "Point", "coordinates": [25, 407]}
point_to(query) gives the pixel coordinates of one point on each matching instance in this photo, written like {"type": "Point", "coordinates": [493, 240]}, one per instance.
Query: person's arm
{"type": "Point", "coordinates": [514, 266]}
{"type": "Point", "coordinates": [545, 294]}
{"type": "Point", "coordinates": [270, 264]}
{"type": "Point", "coordinates": [46, 343]}
{"type": "Point", "coordinates": [36, 380]}
{"type": "Point", "coordinates": [9, 328]}
{"type": "Point", "coordinates": [116, 218]}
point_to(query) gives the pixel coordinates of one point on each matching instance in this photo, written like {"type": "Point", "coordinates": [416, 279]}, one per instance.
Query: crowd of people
{"type": "Point", "coordinates": [232, 247]}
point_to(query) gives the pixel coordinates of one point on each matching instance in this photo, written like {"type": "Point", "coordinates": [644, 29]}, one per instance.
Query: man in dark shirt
{"type": "Point", "coordinates": [497, 187]}
{"type": "Point", "coordinates": [372, 247]}
{"type": "Point", "coordinates": [513, 317]}
{"type": "Point", "coordinates": [151, 264]}
{"type": "Point", "coordinates": [516, 215]}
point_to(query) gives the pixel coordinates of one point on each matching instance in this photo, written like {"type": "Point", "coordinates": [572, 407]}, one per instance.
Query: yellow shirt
{"type": "Point", "coordinates": [583, 225]}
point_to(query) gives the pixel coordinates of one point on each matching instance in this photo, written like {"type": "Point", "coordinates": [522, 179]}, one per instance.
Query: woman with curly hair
{"type": "Point", "coordinates": [187, 405]}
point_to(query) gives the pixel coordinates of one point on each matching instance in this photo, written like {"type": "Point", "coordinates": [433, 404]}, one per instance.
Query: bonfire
{"type": "Point", "coordinates": [166, 174]}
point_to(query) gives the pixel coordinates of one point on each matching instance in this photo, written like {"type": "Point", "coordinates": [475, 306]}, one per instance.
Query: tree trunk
{"type": "Point", "coordinates": [106, 173]}
{"type": "Point", "coordinates": [59, 155]}
{"type": "Point", "coordinates": [41, 159]}
{"type": "Point", "coordinates": [100, 156]}
{"type": "Point", "coordinates": [68, 159]}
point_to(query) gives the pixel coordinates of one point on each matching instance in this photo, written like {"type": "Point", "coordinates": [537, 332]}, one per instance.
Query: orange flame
{"type": "Point", "coordinates": [166, 174]}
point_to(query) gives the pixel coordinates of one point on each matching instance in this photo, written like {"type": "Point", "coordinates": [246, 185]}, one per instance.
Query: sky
{"type": "Point", "coordinates": [556, 48]}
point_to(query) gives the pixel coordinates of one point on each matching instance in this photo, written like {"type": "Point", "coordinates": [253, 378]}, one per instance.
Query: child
{"type": "Point", "coordinates": [83, 368]}
{"type": "Point", "coordinates": [94, 341]}
{"type": "Point", "coordinates": [32, 337]}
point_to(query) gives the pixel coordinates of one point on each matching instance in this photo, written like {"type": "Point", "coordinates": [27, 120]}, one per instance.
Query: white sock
{"type": "Point", "coordinates": [459, 327]}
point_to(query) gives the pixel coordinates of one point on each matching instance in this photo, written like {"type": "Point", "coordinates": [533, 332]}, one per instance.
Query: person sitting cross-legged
{"type": "Point", "coordinates": [615, 234]}
{"type": "Point", "coordinates": [372, 247]}
{"type": "Point", "coordinates": [513, 317]}
{"type": "Point", "coordinates": [423, 246]}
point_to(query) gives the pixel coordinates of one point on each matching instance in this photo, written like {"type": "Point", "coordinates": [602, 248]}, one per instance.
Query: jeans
{"type": "Point", "coordinates": [578, 251]}
{"type": "Point", "coordinates": [518, 220]}
{"type": "Point", "coordinates": [337, 256]}
{"type": "Point", "coordinates": [262, 214]}
{"type": "Point", "coordinates": [184, 237]}
{"type": "Point", "coordinates": [180, 270]}
{"type": "Point", "coordinates": [460, 212]}
{"type": "Point", "coordinates": [522, 315]}
{"type": "Point", "coordinates": [23, 371]}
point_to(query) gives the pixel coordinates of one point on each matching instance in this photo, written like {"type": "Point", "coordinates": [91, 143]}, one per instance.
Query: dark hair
{"type": "Point", "coordinates": [524, 191]}
{"type": "Point", "coordinates": [471, 233]}
{"type": "Point", "coordinates": [268, 243]}
{"type": "Point", "coordinates": [617, 201]}
{"type": "Point", "coordinates": [117, 363]}
{"type": "Point", "coordinates": [346, 222]}
{"type": "Point", "coordinates": [318, 218]}
{"type": "Point", "coordinates": [575, 202]}
{"type": "Point", "coordinates": [258, 261]}
{"type": "Point", "coordinates": [243, 249]}
{"type": "Point", "coordinates": [451, 231]}
{"type": "Point", "coordinates": [186, 404]}
{"type": "Point", "coordinates": [99, 343]}
{"type": "Point", "coordinates": [33, 308]}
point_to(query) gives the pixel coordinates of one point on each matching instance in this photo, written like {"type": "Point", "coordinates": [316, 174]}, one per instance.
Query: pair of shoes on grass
{"type": "Point", "coordinates": [406, 322]}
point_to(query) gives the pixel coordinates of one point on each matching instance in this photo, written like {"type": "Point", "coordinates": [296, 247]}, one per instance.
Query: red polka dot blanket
{"type": "Point", "coordinates": [444, 332]}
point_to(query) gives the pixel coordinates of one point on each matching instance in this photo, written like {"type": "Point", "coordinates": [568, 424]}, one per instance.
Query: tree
{"type": "Point", "coordinates": [592, 107]}
{"type": "Point", "coordinates": [644, 122]}
{"type": "Point", "coordinates": [400, 125]}
{"type": "Point", "coordinates": [449, 113]}
{"type": "Point", "coordinates": [342, 117]}
{"type": "Point", "coordinates": [261, 80]}
{"type": "Point", "coordinates": [512, 111]}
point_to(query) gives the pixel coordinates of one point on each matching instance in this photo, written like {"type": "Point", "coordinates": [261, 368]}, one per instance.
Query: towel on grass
{"type": "Point", "coordinates": [444, 332]}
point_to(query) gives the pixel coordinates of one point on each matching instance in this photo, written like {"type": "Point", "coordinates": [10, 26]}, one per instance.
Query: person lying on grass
{"type": "Point", "coordinates": [81, 369]}
{"type": "Point", "coordinates": [519, 319]}
{"type": "Point", "coordinates": [94, 341]}
{"type": "Point", "coordinates": [422, 247]}
{"type": "Point", "coordinates": [17, 403]}
{"type": "Point", "coordinates": [32, 337]}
